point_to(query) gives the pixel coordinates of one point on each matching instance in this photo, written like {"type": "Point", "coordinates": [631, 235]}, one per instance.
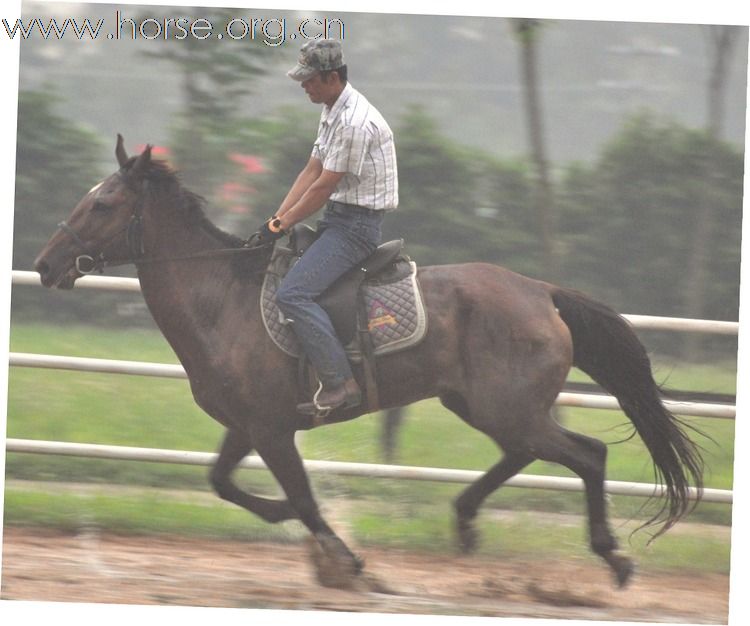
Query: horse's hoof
{"type": "Point", "coordinates": [468, 536]}
{"type": "Point", "coordinates": [622, 567]}
{"type": "Point", "coordinates": [335, 565]}
{"type": "Point", "coordinates": [359, 564]}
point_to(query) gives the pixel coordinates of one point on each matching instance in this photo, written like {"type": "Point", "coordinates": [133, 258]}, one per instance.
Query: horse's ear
{"type": "Point", "coordinates": [122, 156]}
{"type": "Point", "coordinates": [142, 162]}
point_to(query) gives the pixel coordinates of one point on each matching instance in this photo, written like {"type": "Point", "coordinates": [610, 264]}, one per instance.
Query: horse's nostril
{"type": "Point", "coordinates": [41, 268]}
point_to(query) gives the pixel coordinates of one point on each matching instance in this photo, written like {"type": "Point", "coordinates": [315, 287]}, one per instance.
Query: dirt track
{"type": "Point", "coordinates": [89, 567]}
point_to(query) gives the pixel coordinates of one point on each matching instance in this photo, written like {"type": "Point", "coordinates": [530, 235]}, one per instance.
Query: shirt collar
{"type": "Point", "coordinates": [330, 114]}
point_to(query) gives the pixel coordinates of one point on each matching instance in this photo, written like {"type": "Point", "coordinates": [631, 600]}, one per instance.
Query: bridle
{"type": "Point", "coordinates": [90, 262]}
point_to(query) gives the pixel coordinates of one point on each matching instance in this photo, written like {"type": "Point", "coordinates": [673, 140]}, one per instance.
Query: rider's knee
{"type": "Point", "coordinates": [289, 298]}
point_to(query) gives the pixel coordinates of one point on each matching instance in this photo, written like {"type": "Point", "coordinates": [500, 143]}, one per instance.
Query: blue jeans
{"type": "Point", "coordinates": [349, 235]}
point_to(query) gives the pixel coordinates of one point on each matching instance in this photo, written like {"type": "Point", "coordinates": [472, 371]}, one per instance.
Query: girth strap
{"type": "Point", "coordinates": [367, 347]}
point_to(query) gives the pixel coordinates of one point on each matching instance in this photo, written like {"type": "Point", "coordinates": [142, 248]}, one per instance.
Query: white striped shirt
{"type": "Point", "coordinates": [353, 137]}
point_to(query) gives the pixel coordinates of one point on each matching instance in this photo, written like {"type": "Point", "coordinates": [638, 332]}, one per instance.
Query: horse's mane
{"type": "Point", "coordinates": [166, 186]}
{"type": "Point", "coordinates": [165, 182]}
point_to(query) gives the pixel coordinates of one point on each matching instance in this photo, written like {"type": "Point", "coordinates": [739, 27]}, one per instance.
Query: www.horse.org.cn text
{"type": "Point", "coordinates": [271, 31]}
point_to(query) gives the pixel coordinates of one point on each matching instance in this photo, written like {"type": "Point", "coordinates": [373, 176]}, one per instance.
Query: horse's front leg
{"type": "Point", "coordinates": [280, 454]}
{"type": "Point", "coordinates": [235, 447]}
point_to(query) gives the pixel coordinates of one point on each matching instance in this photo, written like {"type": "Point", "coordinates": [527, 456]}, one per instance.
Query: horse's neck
{"type": "Point", "coordinates": [186, 297]}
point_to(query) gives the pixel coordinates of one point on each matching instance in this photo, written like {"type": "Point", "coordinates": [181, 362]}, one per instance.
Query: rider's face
{"type": "Point", "coordinates": [319, 90]}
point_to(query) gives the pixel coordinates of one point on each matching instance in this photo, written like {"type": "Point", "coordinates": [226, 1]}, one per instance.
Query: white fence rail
{"type": "Point", "coordinates": [350, 469]}
{"type": "Point", "coordinates": [140, 368]}
{"type": "Point", "coordinates": [646, 322]}
{"type": "Point", "coordinates": [365, 470]}
{"type": "Point", "coordinates": [112, 283]}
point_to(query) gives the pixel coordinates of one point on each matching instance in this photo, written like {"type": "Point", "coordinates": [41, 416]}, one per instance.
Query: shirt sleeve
{"type": "Point", "coordinates": [347, 150]}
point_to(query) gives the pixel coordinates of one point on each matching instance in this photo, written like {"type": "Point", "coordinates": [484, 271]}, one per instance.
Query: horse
{"type": "Point", "coordinates": [498, 349]}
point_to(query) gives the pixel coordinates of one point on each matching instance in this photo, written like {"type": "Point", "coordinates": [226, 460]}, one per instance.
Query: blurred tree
{"type": "Point", "coordinates": [527, 31]}
{"type": "Point", "coordinates": [436, 199]}
{"type": "Point", "coordinates": [458, 205]}
{"type": "Point", "coordinates": [721, 39]}
{"type": "Point", "coordinates": [216, 72]}
{"type": "Point", "coordinates": [510, 189]}
{"type": "Point", "coordinates": [629, 218]}
{"type": "Point", "coordinates": [208, 137]}
{"type": "Point", "coordinates": [220, 160]}
{"type": "Point", "coordinates": [57, 161]}
{"type": "Point", "coordinates": [285, 140]}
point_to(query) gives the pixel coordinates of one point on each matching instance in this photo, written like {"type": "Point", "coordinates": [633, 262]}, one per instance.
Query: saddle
{"type": "Point", "coordinates": [339, 301]}
{"type": "Point", "coordinates": [376, 308]}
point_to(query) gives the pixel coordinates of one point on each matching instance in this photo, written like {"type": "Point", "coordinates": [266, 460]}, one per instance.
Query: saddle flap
{"type": "Point", "coordinates": [394, 313]}
{"type": "Point", "coordinates": [340, 300]}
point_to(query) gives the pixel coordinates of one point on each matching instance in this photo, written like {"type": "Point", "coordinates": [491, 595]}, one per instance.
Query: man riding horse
{"type": "Point", "coordinates": [352, 170]}
{"type": "Point", "coordinates": [497, 352]}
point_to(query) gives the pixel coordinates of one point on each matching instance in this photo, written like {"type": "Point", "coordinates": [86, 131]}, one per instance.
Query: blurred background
{"type": "Point", "coordinates": [604, 156]}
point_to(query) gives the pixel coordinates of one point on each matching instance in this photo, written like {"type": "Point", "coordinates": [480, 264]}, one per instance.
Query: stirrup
{"type": "Point", "coordinates": [322, 411]}
{"type": "Point", "coordinates": [314, 409]}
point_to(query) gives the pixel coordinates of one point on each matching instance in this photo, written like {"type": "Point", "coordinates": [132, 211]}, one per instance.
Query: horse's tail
{"type": "Point", "coordinates": [608, 350]}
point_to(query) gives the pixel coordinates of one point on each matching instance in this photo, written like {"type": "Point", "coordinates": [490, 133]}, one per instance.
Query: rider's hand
{"type": "Point", "coordinates": [271, 230]}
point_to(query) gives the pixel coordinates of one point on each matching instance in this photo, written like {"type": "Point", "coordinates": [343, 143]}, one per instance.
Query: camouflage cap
{"type": "Point", "coordinates": [316, 56]}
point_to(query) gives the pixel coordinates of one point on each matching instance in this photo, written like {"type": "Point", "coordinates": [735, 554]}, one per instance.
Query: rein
{"type": "Point", "coordinates": [207, 254]}
{"type": "Point", "coordinates": [88, 262]}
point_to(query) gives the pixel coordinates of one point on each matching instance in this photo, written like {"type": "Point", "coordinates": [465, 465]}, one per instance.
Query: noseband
{"type": "Point", "coordinates": [85, 263]}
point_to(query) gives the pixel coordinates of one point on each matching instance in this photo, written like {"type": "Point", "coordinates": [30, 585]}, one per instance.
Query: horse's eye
{"type": "Point", "coordinates": [100, 206]}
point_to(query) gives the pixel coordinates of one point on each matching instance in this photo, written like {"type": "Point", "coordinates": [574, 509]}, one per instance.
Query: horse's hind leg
{"type": "Point", "coordinates": [467, 504]}
{"type": "Point", "coordinates": [234, 448]}
{"type": "Point", "coordinates": [586, 457]}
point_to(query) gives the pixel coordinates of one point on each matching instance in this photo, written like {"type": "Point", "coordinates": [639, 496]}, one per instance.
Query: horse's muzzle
{"type": "Point", "coordinates": [50, 278]}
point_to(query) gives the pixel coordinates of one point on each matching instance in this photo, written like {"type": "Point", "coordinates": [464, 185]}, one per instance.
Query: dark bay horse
{"type": "Point", "coordinates": [497, 352]}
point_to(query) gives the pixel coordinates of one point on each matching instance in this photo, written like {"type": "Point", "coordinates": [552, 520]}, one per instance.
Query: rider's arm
{"type": "Point", "coordinates": [312, 199]}
{"type": "Point", "coordinates": [310, 173]}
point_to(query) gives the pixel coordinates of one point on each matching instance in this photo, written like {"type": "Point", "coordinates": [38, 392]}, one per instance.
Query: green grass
{"type": "Point", "coordinates": [142, 513]}
{"type": "Point", "coordinates": [427, 528]}
{"type": "Point", "coordinates": [709, 378]}
{"type": "Point", "coordinates": [526, 534]}
{"type": "Point", "coordinates": [160, 413]}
